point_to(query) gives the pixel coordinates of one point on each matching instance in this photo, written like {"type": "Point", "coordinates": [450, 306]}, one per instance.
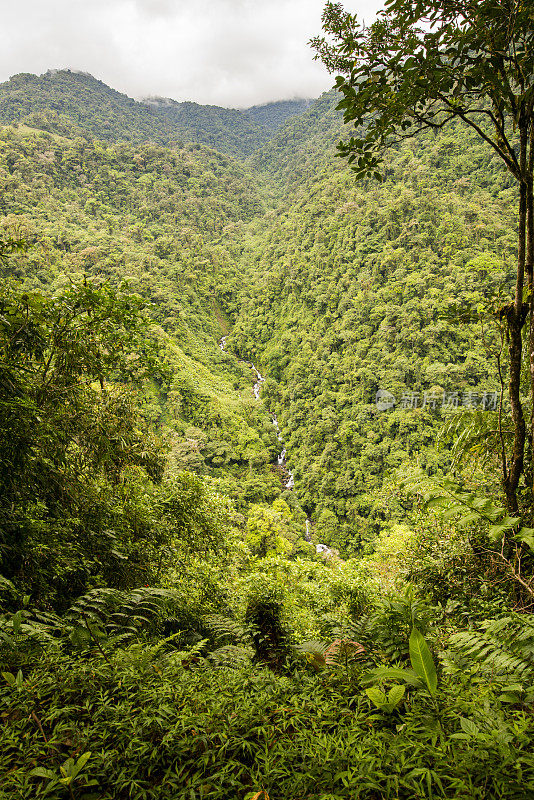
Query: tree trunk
{"type": "Point", "coordinates": [529, 267]}
{"type": "Point", "coordinates": [515, 324]}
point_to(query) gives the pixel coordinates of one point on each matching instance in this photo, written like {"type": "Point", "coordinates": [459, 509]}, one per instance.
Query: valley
{"type": "Point", "coordinates": [255, 410]}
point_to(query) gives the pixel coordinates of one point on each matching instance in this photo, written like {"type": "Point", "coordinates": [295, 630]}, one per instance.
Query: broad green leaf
{"type": "Point", "coordinates": [82, 761]}
{"type": "Point", "coordinates": [68, 768]}
{"type": "Point", "coordinates": [395, 694]}
{"type": "Point", "coordinates": [392, 673]}
{"type": "Point", "coordinates": [376, 696]}
{"type": "Point", "coordinates": [41, 772]}
{"type": "Point", "coordinates": [17, 622]}
{"type": "Point", "coordinates": [526, 535]}
{"type": "Point", "coordinates": [422, 660]}
{"type": "Point", "coordinates": [509, 697]}
{"type": "Point", "coordinates": [496, 531]}
{"type": "Point", "coordinates": [469, 727]}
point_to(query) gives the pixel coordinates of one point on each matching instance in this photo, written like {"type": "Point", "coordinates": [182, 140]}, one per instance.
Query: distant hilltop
{"type": "Point", "coordinates": [72, 71]}
{"type": "Point", "coordinates": [104, 113]}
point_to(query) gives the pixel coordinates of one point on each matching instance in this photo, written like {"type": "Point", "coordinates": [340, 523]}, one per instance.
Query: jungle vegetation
{"type": "Point", "coordinates": [168, 627]}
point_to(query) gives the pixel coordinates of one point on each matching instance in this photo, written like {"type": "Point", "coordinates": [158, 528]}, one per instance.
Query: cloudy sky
{"type": "Point", "coordinates": [226, 52]}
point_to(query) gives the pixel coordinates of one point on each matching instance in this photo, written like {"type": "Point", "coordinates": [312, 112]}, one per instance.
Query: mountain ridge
{"type": "Point", "coordinates": [105, 113]}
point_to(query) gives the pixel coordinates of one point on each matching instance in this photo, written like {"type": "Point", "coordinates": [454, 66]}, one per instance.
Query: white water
{"type": "Point", "coordinates": [281, 459]}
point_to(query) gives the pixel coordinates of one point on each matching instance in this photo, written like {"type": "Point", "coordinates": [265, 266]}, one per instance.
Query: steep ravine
{"type": "Point", "coordinates": [281, 459]}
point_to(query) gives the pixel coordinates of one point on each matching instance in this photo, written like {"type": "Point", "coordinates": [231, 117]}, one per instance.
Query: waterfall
{"type": "Point", "coordinates": [281, 459]}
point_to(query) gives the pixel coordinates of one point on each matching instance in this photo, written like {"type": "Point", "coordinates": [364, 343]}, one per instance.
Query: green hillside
{"type": "Point", "coordinates": [336, 289]}
{"type": "Point", "coordinates": [168, 225]}
{"type": "Point", "coordinates": [65, 101]}
{"type": "Point", "coordinates": [354, 288]}
{"type": "Point", "coordinates": [96, 109]}
{"type": "Point", "coordinates": [225, 129]}
{"type": "Point", "coordinates": [254, 543]}
{"type": "Point", "coordinates": [273, 115]}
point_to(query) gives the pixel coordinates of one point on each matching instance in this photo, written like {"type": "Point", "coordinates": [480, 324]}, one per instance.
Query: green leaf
{"type": "Point", "coordinates": [422, 661]}
{"type": "Point", "coordinates": [392, 673]}
{"type": "Point", "coordinates": [376, 696]}
{"type": "Point", "coordinates": [41, 772]}
{"type": "Point", "coordinates": [17, 622]}
{"type": "Point", "coordinates": [509, 697]}
{"type": "Point", "coordinates": [395, 695]}
{"type": "Point", "coordinates": [496, 531]}
{"type": "Point", "coordinates": [436, 502]}
{"type": "Point", "coordinates": [469, 727]}
{"type": "Point", "coordinates": [468, 519]}
{"type": "Point", "coordinates": [82, 761]}
{"type": "Point", "coordinates": [526, 535]}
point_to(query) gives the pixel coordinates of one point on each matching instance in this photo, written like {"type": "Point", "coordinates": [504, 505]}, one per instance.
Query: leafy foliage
{"type": "Point", "coordinates": [250, 666]}
{"type": "Point", "coordinates": [66, 102]}
{"type": "Point", "coordinates": [501, 648]}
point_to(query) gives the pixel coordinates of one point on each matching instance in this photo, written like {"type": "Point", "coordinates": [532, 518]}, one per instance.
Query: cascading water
{"type": "Point", "coordinates": [281, 460]}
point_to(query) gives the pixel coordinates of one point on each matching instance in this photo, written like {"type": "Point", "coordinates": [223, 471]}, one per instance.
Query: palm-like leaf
{"type": "Point", "coordinates": [422, 661]}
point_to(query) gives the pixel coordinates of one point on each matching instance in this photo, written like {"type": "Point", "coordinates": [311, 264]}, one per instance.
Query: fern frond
{"type": "Point", "coordinates": [232, 656]}
{"type": "Point", "coordinates": [502, 648]}
{"type": "Point", "coordinates": [343, 651]}
{"type": "Point", "coordinates": [121, 614]}
{"type": "Point", "coordinates": [474, 432]}
{"type": "Point", "coordinates": [227, 630]}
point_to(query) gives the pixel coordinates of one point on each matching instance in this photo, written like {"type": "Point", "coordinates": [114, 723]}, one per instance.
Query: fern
{"type": "Point", "coordinates": [502, 648]}
{"type": "Point", "coordinates": [454, 502]}
{"type": "Point", "coordinates": [314, 653]}
{"type": "Point", "coordinates": [226, 630]}
{"type": "Point", "coordinates": [22, 642]}
{"type": "Point", "coordinates": [232, 656]}
{"type": "Point", "coordinates": [340, 652]}
{"type": "Point", "coordinates": [476, 433]}
{"type": "Point", "coordinates": [102, 614]}
{"type": "Point", "coordinates": [120, 615]}
{"type": "Point", "coordinates": [235, 643]}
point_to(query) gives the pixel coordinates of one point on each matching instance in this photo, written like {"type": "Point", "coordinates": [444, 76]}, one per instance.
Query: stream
{"type": "Point", "coordinates": [281, 459]}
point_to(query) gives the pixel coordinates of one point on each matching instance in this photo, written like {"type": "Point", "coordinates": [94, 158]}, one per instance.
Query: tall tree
{"type": "Point", "coordinates": [422, 65]}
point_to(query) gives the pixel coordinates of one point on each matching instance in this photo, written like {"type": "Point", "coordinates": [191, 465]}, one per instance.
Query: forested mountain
{"type": "Point", "coordinates": [168, 224]}
{"type": "Point", "coordinates": [96, 109]}
{"type": "Point", "coordinates": [43, 101]}
{"type": "Point", "coordinates": [335, 288]}
{"type": "Point", "coordinates": [253, 537]}
{"type": "Point", "coordinates": [273, 115]}
{"type": "Point", "coordinates": [356, 287]}
{"type": "Point", "coordinates": [232, 131]}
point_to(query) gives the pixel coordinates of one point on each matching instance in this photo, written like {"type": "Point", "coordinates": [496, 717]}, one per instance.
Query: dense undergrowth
{"type": "Point", "coordinates": [165, 629]}
{"type": "Point", "coordinates": [157, 717]}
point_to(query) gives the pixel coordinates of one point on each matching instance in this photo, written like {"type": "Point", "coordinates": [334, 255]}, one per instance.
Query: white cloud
{"type": "Point", "coordinates": [225, 52]}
